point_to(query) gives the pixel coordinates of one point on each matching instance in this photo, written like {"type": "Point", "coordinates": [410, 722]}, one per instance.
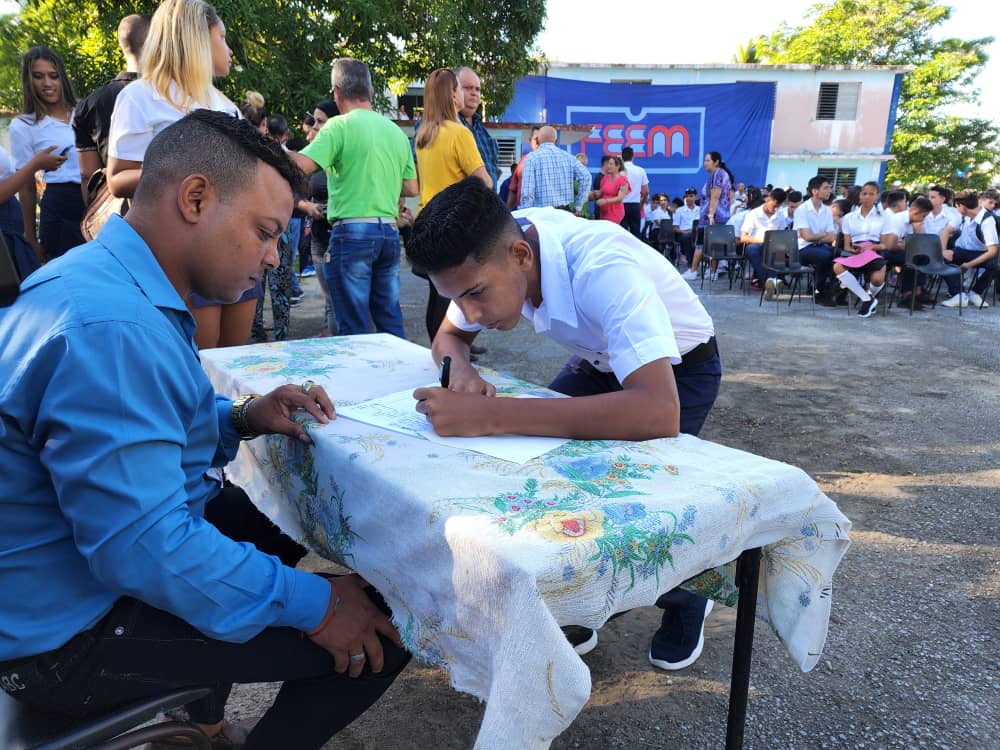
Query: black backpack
{"type": "Point", "coordinates": [979, 226]}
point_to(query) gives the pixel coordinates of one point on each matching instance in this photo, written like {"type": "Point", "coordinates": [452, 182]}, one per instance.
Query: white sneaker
{"type": "Point", "coordinates": [721, 274]}
{"type": "Point", "coordinates": [975, 300]}
{"type": "Point", "coordinates": [958, 299]}
{"type": "Point", "coordinates": [690, 275]}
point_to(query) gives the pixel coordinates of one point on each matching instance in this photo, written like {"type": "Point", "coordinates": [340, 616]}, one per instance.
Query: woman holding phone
{"type": "Point", "coordinates": [185, 48]}
{"type": "Point", "coordinates": [46, 126]}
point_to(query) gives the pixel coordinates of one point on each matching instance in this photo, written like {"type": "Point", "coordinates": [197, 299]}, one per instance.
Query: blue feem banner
{"type": "Point", "coordinates": [670, 128]}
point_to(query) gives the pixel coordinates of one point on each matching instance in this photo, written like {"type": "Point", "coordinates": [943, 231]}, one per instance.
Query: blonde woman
{"type": "Point", "coordinates": [446, 153]}
{"type": "Point", "coordinates": [185, 48]}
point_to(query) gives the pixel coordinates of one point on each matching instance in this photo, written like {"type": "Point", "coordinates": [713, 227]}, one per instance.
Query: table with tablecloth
{"type": "Point", "coordinates": [482, 560]}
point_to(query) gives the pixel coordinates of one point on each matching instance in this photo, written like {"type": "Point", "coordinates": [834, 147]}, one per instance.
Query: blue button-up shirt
{"type": "Point", "coordinates": [486, 144]}
{"type": "Point", "coordinates": [107, 427]}
{"type": "Point", "coordinates": [549, 177]}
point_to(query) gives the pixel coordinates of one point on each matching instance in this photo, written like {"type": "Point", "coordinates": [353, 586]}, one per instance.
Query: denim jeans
{"type": "Point", "coordinates": [294, 237]}
{"type": "Point", "coordinates": [754, 252]}
{"type": "Point", "coordinates": [363, 277]}
{"type": "Point", "coordinates": [137, 651]}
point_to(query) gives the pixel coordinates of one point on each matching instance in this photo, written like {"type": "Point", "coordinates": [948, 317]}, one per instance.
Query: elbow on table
{"type": "Point", "coordinates": [661, 422]}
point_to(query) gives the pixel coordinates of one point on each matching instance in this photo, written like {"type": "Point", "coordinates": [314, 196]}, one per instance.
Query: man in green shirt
{"type": "Point", "coordinates": [369, 167]}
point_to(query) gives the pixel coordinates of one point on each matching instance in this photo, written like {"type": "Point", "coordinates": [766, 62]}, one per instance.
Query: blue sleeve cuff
{"type": "Point", "coordinates": [308, 598]}
{"type": "Point", "coordinates": [229, 439]}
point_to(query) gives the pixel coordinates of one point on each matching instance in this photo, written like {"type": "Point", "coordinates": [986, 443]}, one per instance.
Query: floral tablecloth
{"type": "Point", "coordinates": [482, 560]}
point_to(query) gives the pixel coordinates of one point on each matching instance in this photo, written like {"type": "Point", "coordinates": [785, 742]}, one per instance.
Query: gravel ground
{"type": "Point", "coordinates": [898, 419]}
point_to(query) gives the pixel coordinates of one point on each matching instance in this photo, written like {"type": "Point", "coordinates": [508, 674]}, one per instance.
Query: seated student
{"type": "Point", "coordinates": [817, 235]}
{"type": "Point", "coordinates": [125, 570]}
{"type": "Point", "coordinates": [870, 257]}
{"type": "Point", "coordinates": [645, 364]}
{"type": "Point", "coordinates": [765, 217]}
{"type": "Point", "coordinates": [657, 213]}
{"type": "Point", "coordinates": [976, 248]}
{"type": "Point", "coordinates": [793, 199]}
{"type": "Point", "coordinates": [945, 220]}
{"type": "Point", "coordinates": [684, 218]}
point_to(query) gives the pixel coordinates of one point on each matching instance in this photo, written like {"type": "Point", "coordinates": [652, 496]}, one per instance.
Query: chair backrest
{"type": "Point", "coordinates": [720, 241]}
{"type": "Point", "coordinates": [922, 249]}
{"type": "Point", "coordinates": [666, 232]}
{"type": "Point", "coordinates": [781, 247]}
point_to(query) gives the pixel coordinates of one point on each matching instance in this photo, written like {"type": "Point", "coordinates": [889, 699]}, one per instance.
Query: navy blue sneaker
{"type": "Point", "coordinates": [584, 640]}
{"type": "Point", "coordinates": [681, 637]}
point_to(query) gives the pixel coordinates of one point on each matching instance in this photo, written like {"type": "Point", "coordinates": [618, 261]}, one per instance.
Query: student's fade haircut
{"type": "Point", "coordinates": [923, 204]}
{"type": "Point", "coordinates": [132, 32]}
{"type": "Point", "coordinates": [778, 195]}
{"type": "Point", "coordinates": [793, 196]}
{"type": "Point", "coordinates": [893, 197]}
{"type": "Point", "coordinates": [815, 183]}
{"type": "Point", "coordinates": [222, 148]}
{"type": "Point", "coordinates": [465, 220]}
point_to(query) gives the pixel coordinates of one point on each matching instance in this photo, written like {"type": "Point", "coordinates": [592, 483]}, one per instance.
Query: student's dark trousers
{"type": "Point", "coordinates": [633, 218]}
{"type": "Point", "coordinates": [697, 387]}
{"type": "Point", "coordinates": [137, 651]}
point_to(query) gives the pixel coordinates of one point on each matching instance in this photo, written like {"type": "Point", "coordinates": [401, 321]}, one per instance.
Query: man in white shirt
{"type": "Point", "coordinates": [758, 221]}
{"type": "Point", "coordinates": [817, 235]}
{"type": "Point", "coordinates": [944, 221]}
{"type": "Point", "coordinates": [638, 190]}
{"type": "Point", "coordinates": [644, 360]}
{"type": "Point", "coordinates": [684, 219]}
{"type": "Point", "coordinates": [976, 248]}
{"type": "Point", "coordinates": [793, 199]}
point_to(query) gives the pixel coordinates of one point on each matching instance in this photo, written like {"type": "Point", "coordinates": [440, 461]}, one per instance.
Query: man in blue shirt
{"type": "Point", "coordinates": [124, 567]}
{"type": "Point", "coordinates": [469, 115]}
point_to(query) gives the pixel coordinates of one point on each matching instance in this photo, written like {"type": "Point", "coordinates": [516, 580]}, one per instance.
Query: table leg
{"type": "Point", "coordinates": [747, 572]}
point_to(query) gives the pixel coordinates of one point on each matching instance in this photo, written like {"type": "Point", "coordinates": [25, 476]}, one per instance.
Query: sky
{"type": "Point", "coordinates": [573, 33]}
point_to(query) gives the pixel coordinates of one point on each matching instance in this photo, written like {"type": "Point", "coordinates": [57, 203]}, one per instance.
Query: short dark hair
{"type": "Point", "coordinates": [627, 153]}
{"type": "Point", "coordinates": [779, 195]}
{"type": "Point", "coordinates": [223, 148]}
{"type": "Point", "coordinates": [327, 107]}
{"type": "Point", "coordinates": [922, 203]}
{"type": "Point", "coordinates": [465, 220]}
{"type": "Point", "coordinates": [132, 32]}
{"type": "Point", "coordinates": [967, 198]}
{"type": "Point", "coordinates": [277, 125]}
{"type": "Point", "coordinates": [816, 183]}
{"type": "Point", "coordinates": [894, 196]}
{"type": "Point", "coordinates": [792, 196]}
{"type": "Point", "coordinates": [942, 191]}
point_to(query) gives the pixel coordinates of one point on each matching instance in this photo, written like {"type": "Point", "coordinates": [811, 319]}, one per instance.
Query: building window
{"type": "Point", "coordinates": [838, 176]}
{"type": "Point", "coordinates": [508, 155]}
{"type": "Point", "coordinates": [838, 101]}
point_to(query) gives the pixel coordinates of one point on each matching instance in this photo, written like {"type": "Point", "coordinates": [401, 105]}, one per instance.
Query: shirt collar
{"type": "Point", "coordinates": [129, 249]}
{"type": "Point", "coordinates": [127, 75]}
{"type": "Point", "coordinates": [476, 119]}
{"type": "Point", "coordinates": [557, 292]}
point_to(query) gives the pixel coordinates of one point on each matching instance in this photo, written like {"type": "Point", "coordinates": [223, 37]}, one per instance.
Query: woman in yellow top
{"type": "Point", "coordinates": [446, 154]}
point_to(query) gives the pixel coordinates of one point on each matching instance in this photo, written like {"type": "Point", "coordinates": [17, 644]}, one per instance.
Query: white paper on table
{"type": "Point", "coordinates": [397, 412]}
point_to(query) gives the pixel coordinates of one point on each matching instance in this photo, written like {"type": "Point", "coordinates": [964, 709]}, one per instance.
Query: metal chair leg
{"type": "Point", "coordinates": [747, 574]}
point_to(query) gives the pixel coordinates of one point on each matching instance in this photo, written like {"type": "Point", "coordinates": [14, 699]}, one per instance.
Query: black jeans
{"type": "Point", "coordinates": [138, 651]}
{"type": "Point", "coordinates": [633, 218]}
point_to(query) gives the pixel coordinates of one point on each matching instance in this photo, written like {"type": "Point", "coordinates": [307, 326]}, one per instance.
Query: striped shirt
{"type": "Point", "coordinates": [486, 144]}
{"type": "Point", "coordinates": [549, 174]}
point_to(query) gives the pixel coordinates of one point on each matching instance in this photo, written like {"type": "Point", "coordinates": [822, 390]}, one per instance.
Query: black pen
{"type": "Point", "coordinates": [445, 372]}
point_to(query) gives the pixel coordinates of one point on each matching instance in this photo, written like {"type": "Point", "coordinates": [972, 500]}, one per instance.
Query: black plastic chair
{"type": "Point", "coordinates": [781, 258]}
{"type": "Point", "coordinates": [23, 727]}
{"type": "Point", "coordinates": [925, 256]}
{"type": "Point", "coordinates": [720, 244]}
{"type": "Point", "coordinates": [665, 241]}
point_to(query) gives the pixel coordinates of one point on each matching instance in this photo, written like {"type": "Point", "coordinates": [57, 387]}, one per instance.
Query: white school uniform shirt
{"type": "Point", "coordinates": [864, 228]}
{"type": "Point", "coordinates": [816, 220]}
{"type": "Point", "coordinates": [949, 216]}
{"type": "Point", "coordinates": [757, 222]}
{"type": "Point", "coordinates": [636, 177]}
{"type": "Point", "coordinates": [6, 164]}
{"type": "Point", "coordinates": [140, 114]}
{"type": "Point", "coordinates": [657, 214]}
{"type": "Point", "coordinates": [29, 136]}
{"type": "Point", "coordinates": [608, 297]}
{"type": "Point", "coordinates": [684, 217]}
{"type": "Point", "coordinates": [969, 240]}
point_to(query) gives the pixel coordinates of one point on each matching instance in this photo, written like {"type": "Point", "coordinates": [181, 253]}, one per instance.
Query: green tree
{"type": "Point", "coordinates": [747, 55]}
{"type": "Point", "coordinates": [284, 50]}
{"type": "Point", "coordinates": [929, 144]}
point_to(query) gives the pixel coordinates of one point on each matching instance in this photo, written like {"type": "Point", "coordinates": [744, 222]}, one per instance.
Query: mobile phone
{"type": "Point", "coordinates": [65, 151]}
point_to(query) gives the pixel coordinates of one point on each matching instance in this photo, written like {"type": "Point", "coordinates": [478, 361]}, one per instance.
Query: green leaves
{"type": "Point", "coordinates": [285, 50]}
{"type": "Point", "coordinates": [929, 145]}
